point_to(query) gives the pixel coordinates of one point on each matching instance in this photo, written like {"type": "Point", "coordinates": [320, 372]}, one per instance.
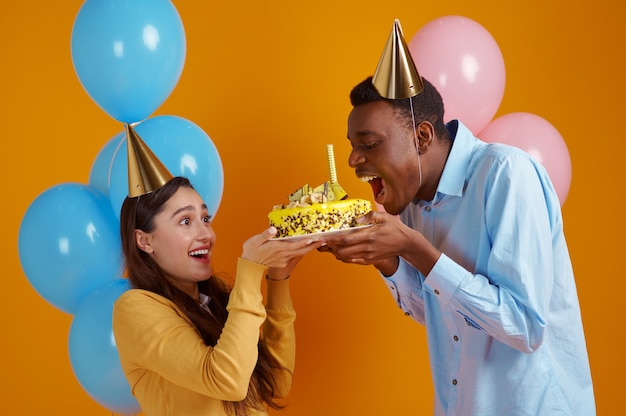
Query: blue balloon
{"type": "Point", "coordinates": [69, 244]}
{"type": "Point", "coordinates": [185, 150]}
{"type": "Point", "coordinates": [99, 173]}
{"type": "Point", "coordinates": [128, 55]}
{"type": "Point", "coordinates": [93, 352]}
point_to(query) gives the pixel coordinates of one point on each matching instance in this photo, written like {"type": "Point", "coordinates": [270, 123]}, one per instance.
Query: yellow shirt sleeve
{"type": "Point", "coordinates": [167, 364]}
{"type": "Point", "coordinates": [279, 332]}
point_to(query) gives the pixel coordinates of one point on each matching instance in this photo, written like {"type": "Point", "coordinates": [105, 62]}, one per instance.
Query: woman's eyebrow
{"type": "Point", "coordinates": [188, 208]}
{"type": "Point", "coordinates": [181, 209]}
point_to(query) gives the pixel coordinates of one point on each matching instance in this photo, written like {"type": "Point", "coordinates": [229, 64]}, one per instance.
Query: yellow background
{"type": "Point", "coordinates": [268, 81]}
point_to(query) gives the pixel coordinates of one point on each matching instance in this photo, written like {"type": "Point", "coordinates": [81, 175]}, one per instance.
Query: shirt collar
{"type": "Point", "coordinates": [452, 181]}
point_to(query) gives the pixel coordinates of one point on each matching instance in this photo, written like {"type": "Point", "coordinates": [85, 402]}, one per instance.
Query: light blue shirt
{"type": "Point", "coordinates": [500, 306]}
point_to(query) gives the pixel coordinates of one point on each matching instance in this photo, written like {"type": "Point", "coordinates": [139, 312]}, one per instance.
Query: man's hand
{"type": "Point", "coordinates": [377, 244]}
{"type": "Point", "coordinates": [381, 244]}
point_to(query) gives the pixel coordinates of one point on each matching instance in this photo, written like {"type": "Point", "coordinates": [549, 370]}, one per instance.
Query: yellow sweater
{"type": "Point", "coordinates": [172, 372]}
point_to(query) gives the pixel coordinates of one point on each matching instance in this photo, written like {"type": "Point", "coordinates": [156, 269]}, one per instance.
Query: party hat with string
{"type": "Point", "coordinates": [396, 76]}
{"type": "Point", "coordinates": [146, 173]}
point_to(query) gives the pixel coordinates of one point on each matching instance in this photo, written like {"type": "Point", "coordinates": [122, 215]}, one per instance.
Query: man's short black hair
{"type": "Point", "coordinates": [427, 105]}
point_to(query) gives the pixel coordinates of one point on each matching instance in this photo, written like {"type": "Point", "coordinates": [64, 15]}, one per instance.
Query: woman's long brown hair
{"type": "Point", "coordinates": [144, 273]}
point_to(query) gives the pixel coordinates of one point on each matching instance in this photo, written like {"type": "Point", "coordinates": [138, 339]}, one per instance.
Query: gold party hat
{"type": "Point", "coordinates": [396, 76]}
{"type": "Point", "coordinates": [146, 173]}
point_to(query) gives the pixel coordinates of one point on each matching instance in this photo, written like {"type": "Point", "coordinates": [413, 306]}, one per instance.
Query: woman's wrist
{"type": "Point", "coordinates": [276, 279]}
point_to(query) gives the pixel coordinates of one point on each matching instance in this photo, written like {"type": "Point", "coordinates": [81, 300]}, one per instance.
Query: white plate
{"type": "Point", "coordinates": [323, 233]}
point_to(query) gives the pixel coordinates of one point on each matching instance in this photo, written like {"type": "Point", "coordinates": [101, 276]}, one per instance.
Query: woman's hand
{"type": "Point", "coordinates": [281, 256]}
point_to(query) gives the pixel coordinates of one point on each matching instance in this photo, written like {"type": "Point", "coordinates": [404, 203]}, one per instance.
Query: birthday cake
{"type": "Point", "coordinates": [322, 209]}
{"type": "Point", "coordinates": [317, 210]}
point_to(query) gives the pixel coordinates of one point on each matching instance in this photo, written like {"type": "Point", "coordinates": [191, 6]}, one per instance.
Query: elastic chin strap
{"type": "Point", "coordinates": [417, 142]}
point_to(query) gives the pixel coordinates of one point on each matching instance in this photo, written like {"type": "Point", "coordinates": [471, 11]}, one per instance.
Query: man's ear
{"type": "Point", "coordinates": [425, 134]}
{"type": "Point", "coordinates": [144, 241]}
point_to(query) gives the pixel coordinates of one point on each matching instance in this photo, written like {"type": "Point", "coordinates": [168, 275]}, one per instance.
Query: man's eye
{"type": "Point", "coordinates": [371, 145]}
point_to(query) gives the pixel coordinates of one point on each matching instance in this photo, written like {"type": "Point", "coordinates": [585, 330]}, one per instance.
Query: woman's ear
{"type": "Point", "coordinates": [144, 241]}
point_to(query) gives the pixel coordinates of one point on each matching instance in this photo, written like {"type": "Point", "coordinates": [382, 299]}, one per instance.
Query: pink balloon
{"type": "Point", "coordinates": [463, 61]}
{"type": "Point", "coordinates": [538, 138]}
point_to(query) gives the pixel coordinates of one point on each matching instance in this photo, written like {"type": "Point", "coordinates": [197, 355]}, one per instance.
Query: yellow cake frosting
{"type": "Point", "coordinates": [317, 215]}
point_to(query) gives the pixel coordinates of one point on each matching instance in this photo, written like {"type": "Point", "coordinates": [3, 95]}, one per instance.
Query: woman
{"type": "Point", "coordinates": [189, 344]}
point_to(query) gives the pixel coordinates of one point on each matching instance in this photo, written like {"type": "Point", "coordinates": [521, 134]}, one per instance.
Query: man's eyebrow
{"type": "Point", "coordinates": [365, 132]}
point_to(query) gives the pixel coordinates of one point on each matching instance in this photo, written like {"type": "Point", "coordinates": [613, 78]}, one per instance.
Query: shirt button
{"type": "Point", "coordinates": [454, 381]}
{"type": "Point", "coordinates": [455, 338]}
{"type": "Point", "coordinates": [407, 313]}
{"type": "Point", "coordinates": [436, 292]}
{"type": "Point", "coordinates": [427, 208]}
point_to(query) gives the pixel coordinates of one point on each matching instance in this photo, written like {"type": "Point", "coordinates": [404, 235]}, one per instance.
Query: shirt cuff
{"type": "Point", "coordinates": [402, 281]}
{"type": "Point", "coordinates": [278, 294]}
{"type": "Point", "coordinates": [445, 278]}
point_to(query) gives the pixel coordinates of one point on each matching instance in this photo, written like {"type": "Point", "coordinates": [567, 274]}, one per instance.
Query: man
{"type": "Point", "coordinates": [471, 245]}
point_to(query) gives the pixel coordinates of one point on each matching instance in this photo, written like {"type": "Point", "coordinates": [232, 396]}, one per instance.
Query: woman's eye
{"type": "Point", "coordinates": [207, 219]}
{"type": "Point", "coordinates": [185, 221]}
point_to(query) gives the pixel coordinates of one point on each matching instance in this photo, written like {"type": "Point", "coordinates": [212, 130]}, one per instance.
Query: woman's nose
{"type": "Point", "coordinates": [205, 232]}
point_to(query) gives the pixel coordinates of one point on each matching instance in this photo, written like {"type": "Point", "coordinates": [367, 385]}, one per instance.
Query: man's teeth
{"type": "Point", "coordinates": [367, 178]}
{"type": "Point", "coordinates": [202, 252]}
